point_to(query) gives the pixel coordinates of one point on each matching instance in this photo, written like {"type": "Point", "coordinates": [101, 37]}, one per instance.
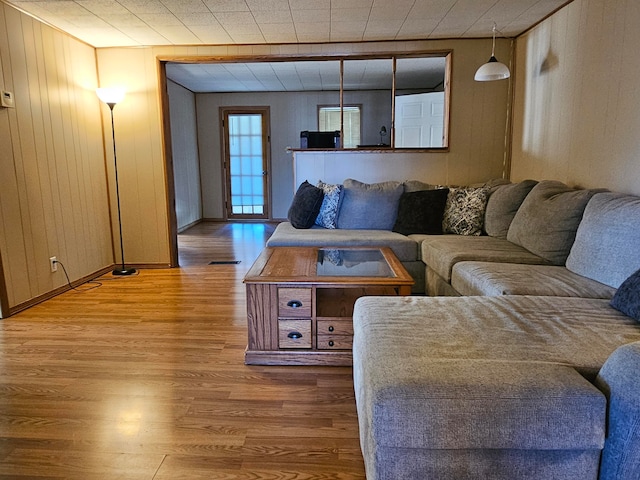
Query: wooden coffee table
{"type": "Point", "coordinates": [300, 301]}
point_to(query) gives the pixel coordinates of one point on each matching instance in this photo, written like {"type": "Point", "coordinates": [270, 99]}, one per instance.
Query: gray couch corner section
{"type": "Point", "coordinates": [491, 387]}
{"type": "Point", "coordinates": [619, 379]}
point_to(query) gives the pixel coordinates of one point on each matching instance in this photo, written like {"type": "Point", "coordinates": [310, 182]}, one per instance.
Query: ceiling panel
{"type": "Point", "coordinates": [120, 23]}
{"type": "Point", "coordinates": [107, 23]}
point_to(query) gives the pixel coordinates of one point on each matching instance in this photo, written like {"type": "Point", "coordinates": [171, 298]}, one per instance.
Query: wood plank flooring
{"type": "Point", "coordinates": [143, 378]}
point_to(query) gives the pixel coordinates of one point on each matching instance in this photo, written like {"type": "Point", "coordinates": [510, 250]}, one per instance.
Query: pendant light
{"type": "Point", "coordinates": [493, 69]}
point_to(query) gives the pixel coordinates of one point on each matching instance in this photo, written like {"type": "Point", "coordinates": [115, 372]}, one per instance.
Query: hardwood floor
{"type": "Point", "coordinates": [143, 378]}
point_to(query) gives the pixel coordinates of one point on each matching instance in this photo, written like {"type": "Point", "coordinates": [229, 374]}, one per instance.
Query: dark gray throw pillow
{"type": "Point", "coordinates": [421, 212]}
{"type": "Point", "coordinates": [627, 297]}
{"type": "Point", "coordinates": [305, 206]}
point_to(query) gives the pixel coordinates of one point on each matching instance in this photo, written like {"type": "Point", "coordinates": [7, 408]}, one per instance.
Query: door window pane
{"type": "Point", "coordinates": [245, 163]}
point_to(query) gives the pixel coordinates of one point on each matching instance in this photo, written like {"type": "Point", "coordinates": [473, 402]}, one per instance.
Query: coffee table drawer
{"type": "Point", "coordinates": [294, 302]}
{"type": "Point", "coordinates": [294, 333]}
{"type": "Point", "coordinates": [335, 327]}
{"type": "Point", "coordinates": [335, 342]}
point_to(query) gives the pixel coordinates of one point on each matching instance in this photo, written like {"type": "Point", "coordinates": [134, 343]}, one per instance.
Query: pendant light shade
{"type": "Point", "coordinates": [493, 69]}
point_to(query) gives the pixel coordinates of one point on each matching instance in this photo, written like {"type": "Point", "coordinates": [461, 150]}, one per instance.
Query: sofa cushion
{"type": "Point", "coordinates": [548, 218]}
{"type": "Point", "coordinates": [487, 278]}
{"type": "Point", "coordinates": [607, 245]}
{"type": "Point", "coordinates": [421, 212]}
{"type": "Point", "coordinates": [627, 297]}
{"type": "Point", "coordinates": [579, 332]}
{"type": "Point", "coordinates": [285, 235]}
{"type": "Point", "coordinates": [305, 205]}
{"type": "Point", "coordinates": [464, 212]}
{"type": "Point", "coordinates": [328, 214]}
{"type": "Point", "coordinates": [369, 206]}
{"type": "Point", "coordinates": [502, 206]}
{"type": "Point", "coordinates": [441, 253]}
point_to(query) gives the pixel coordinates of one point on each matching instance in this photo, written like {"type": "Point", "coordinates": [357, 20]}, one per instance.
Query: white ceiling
{"type": "Point", "coordinates": [123, 23]}
{"type": "Point", "coordinates": [110, 23]}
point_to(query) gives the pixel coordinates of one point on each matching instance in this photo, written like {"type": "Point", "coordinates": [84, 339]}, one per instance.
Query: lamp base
{"type": "Point", "coordinates": [124, 271]}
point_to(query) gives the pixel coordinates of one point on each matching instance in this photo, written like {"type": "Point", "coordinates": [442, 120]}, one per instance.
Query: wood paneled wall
{"type": "Point", "coordinates": [577, 97]}
{"type": "Point", "coordinates": [53, 193]}
{"type": "Point", "coordinates": [186, 161]}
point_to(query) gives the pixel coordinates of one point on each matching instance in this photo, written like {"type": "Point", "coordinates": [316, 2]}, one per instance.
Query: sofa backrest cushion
{"type": "Point", "coordinates": [502, 206]}
{"type": "Point", "coordinates": [371, 206]}
{"type": "Point", "coordinates": [607, 245]}
{"type": "Point", "coordinates": [548, 218]}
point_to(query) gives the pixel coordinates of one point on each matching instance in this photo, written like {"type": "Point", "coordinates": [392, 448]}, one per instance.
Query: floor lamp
{"type": "Point", "coordinates": [111, 96]}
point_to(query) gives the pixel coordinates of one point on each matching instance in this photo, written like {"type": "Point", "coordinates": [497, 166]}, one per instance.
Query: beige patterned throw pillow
{"type": "Point", "coordinates": [464, 211]}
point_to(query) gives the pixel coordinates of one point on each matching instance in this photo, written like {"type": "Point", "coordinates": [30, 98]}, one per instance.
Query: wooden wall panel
{"type": "Point", "coordinates": [54, 196]}
{"type": "Point", "coordinates": [576, 97]}
{"type": "Point", "coordinates": [139, 152]}
{"type": "Point", "coordinates": [186, 162]}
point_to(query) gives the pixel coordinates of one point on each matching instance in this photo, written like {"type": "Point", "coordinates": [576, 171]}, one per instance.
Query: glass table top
{"type": "Point", "coordinates": [335, 262]}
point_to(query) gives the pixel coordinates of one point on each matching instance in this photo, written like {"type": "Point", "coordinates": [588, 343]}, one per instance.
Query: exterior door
{"type": "Point", "coordinates": [246, 161]}
{"type": "Point", "coordinates": [419, 120]}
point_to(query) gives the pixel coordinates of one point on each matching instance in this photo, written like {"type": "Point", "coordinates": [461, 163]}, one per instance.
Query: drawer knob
{"type": "Point", "coordinates": [330, 328]}
{"type": "Point", "coordinates": [294, 303]}
{"type": "Point", "coordinates": [294, 335]}
{"type": "Point", "coordinates": [331, 343]}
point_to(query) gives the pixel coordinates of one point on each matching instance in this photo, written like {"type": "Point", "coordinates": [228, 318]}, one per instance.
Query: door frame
{"type": "Point", "coordinates": [265, 112]}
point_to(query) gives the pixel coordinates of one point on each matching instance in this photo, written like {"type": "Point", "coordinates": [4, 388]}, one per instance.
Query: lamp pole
{"type": "Point", "coordinates": [104, 96]}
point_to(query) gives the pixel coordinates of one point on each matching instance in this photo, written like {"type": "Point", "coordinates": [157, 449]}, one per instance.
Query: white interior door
{"type": "Point", "coordinates": [419, 120]}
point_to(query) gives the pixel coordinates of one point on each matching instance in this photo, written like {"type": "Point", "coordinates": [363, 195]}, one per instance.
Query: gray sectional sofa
{"type": "Point", "coordinates": [517, 366]}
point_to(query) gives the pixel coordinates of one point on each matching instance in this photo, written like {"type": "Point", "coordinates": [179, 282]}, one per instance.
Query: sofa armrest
{"type": "Point", "coordinates": [619, 379]}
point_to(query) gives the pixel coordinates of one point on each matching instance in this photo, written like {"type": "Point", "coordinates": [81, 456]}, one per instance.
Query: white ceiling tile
{"type": "Point", "coordinates": [275, 28]}
{"type": "Point", "coordinates": [125, 21]}
{"type": "Point", "coordinates": [246, 38]}
{"type": "Point", "coordinates": [211, 34]}
{"type": "Point", "coordinates": [273, 16]}
{"type": "Point", "coordinates": [103, 7]}
{"type": "Point", "coordinates": [179, 34]}
{"type": "Point", "coordinates": [257, 5]}
{"type": "Point", "coordinates": [146, 36]}
{"type": "Point", "coordinates": [311, 15]}
{"type": "Point", "coordinates": [198, 19]}
{"type": "Point", "coordinates": [144, 6]}
{"type": "Point", "coordinates": [226, 5]}
{"type": "Point", "coordinates": [185, 6]}
{"type": "Point", "coordinates": [158, 20]}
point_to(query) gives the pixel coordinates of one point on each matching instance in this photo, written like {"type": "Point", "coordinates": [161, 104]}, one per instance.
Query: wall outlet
{"type": "Point", "coordinates": [6, 99]}
{"type": "Point", "coordinates": [53, 263]}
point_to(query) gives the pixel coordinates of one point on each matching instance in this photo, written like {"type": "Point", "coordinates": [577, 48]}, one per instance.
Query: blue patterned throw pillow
{"type": "Point", "coordinates": [627, 297]}
{"type": "Point", "coordinates": [328, 215]}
